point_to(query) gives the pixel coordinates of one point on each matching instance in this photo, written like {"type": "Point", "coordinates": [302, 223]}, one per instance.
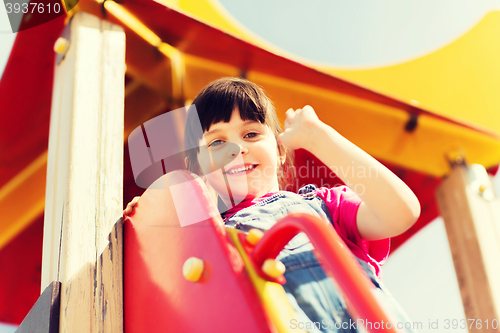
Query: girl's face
{"type": "Point", "coordinates": [240, 159]}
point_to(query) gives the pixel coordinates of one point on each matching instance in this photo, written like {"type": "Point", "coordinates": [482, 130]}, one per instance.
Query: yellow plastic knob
{"type": "Point", "coordinates": [192, 269]}
{"type": "Point", "coordinates": [254, 236]}
{"type": "Point", "coordinates": [60, 45]}
{"type": "Point", "coordinates": [274, 268]}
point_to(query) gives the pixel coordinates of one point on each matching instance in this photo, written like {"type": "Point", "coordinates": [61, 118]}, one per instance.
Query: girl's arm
{"type": "Point", "coordinates": [389, 207]}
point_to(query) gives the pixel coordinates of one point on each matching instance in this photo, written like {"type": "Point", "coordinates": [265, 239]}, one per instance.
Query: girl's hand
{"type": "Point", "coordinates": [300, 127]}
{"type": "Point", "coordinates": [129, 211]}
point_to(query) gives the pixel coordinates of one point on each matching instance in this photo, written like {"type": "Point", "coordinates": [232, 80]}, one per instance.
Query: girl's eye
{"type": "Point", "coordinates": [215, 143]}
{"type": "Point", "coordinates": [252, 134]}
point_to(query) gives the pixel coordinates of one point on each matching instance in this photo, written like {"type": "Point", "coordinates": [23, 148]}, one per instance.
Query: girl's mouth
{"type": "Point", "coordinates": [245, 169]}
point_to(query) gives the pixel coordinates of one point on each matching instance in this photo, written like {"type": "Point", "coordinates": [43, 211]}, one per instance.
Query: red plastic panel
{"type": "Point", "coordinates": [26, 94]}
{"type": "Point", "coordinates": [157, 297]}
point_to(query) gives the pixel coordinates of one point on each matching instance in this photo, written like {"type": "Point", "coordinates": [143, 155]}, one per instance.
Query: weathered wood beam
{"type": "Point", "coordinates": [471, 213]}
{"type": "Point", "coordinates": [82, 246]}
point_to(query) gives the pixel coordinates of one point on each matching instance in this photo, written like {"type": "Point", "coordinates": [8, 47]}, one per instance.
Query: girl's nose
{"type": "Point", "coordinates": [237, 149]}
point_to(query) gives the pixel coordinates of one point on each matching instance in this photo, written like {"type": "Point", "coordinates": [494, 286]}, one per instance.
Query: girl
{"type": "Point", "coordinates": [243, 152]}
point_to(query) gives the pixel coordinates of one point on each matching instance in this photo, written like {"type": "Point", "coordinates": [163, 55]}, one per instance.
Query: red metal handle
{"type": "Point", "coordinates": [336, 258]}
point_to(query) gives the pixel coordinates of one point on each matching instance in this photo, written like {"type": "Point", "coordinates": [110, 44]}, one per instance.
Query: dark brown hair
{"type": "Point", "coordinates": [216, 102]}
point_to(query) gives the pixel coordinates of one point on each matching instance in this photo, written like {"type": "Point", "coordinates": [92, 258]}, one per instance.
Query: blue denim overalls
{"type": "Point", "coordinates": [316, 298]}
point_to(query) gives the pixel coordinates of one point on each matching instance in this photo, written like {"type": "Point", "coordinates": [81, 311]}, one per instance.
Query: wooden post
{"type": "Point", "coordinates": [471, 213]}
{"type": "Point", "coordinates": [82, 240]}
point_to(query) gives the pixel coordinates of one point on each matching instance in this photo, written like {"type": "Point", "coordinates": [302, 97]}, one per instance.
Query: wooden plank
{"type": "Point", "coordinates": [84, 178]}
{"type": "Point", "coordinates": [470, 210]}
{"type": "Point", "coordinates": [109, 279]}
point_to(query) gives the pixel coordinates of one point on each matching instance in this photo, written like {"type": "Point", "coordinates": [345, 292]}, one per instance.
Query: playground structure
{"type": "Point", "coordinates": [165, 65]}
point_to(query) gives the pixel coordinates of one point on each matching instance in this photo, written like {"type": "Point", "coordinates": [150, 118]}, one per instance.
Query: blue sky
{"type": "Point", "coordinates": [365, 34]}
{"type": "Point", "coordinates": [359, 33]}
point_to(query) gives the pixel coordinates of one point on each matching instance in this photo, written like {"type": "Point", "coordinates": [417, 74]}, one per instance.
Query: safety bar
{"type": "Point", "coordinates": [335, 257]}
